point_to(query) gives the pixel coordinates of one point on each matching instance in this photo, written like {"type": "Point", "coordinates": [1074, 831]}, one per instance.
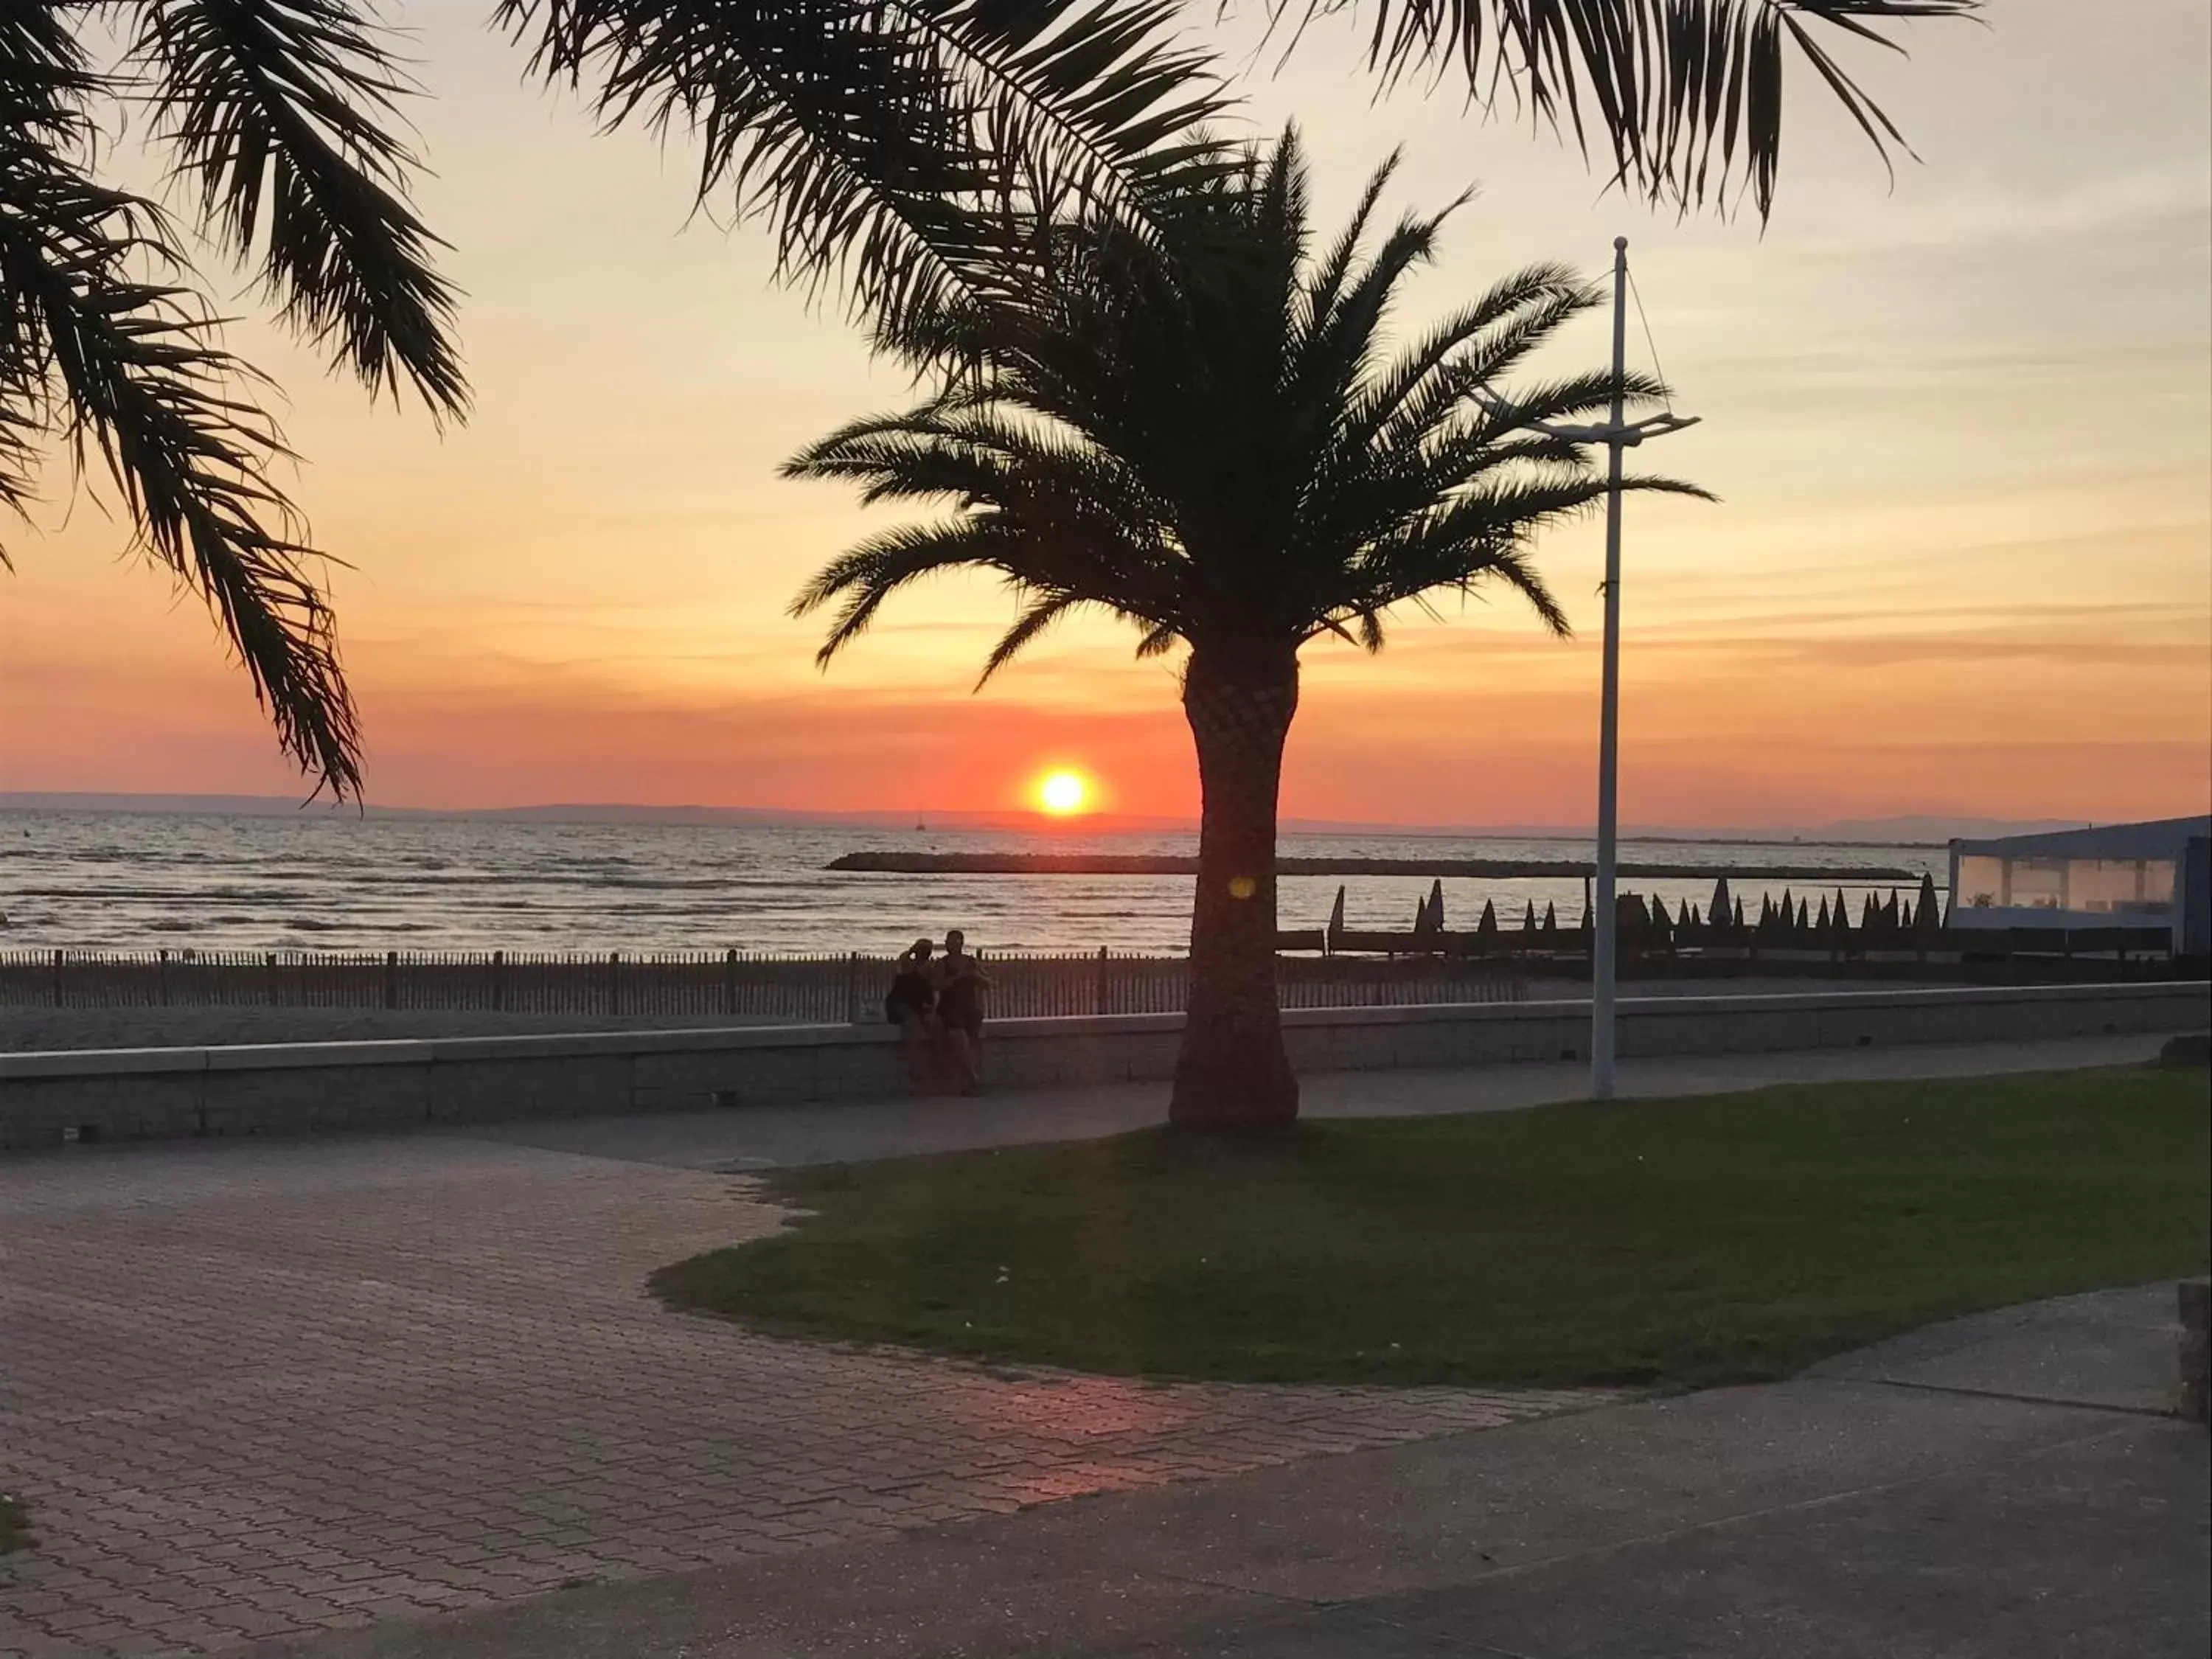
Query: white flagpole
{"type": "Point", "coordinates": [1605, 937]}
{"type": "Point", "coordinates": [1618, 434]}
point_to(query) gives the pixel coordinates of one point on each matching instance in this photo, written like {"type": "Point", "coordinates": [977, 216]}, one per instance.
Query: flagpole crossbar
{"type": "Point", "coordinates": [1628, 434]}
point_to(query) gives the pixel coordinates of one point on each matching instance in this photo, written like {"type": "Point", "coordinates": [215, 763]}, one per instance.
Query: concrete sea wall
{"type": "Point", "coordinates": [47, 1099]}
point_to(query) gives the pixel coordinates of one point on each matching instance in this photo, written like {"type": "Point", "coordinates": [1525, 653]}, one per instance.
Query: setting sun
{"type": "Point", "coordinates": [1064, 792]}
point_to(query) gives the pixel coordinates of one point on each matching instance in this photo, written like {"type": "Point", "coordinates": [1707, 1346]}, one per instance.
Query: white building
{"type": "Point", "coordinates": [2112, 875]}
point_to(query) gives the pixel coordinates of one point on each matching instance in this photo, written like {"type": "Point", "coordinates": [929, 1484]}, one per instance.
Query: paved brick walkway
{"type": "Point", "coordinates": [251, 1389]}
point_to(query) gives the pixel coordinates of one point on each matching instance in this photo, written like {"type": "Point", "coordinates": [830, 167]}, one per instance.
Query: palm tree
{"type": "Point", "coordinates": [1207, 437]}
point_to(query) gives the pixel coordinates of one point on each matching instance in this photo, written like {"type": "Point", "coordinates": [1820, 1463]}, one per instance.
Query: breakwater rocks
{"type": "Point", "coordinates": [1138, 864]}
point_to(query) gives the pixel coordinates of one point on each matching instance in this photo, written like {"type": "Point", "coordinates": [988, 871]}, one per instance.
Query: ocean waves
{"type": "Point", "coordinates": [91, 881]}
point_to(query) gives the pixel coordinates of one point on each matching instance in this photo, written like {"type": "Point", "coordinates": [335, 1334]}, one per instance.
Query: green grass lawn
{"type": "Point", "coordinates": [1685, 1241]}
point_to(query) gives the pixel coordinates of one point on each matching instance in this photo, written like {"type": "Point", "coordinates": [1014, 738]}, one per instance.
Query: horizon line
{"type": "Point", "coordinates": [155, 802]}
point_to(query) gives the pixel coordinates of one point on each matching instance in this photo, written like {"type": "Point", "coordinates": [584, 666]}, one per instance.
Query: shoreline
{"type": "Point", "coordinates": [1155, 864]}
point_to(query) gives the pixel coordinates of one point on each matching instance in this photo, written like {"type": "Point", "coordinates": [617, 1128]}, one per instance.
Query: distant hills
{"type": "Point", "coordinates": [1923, 829]}
{"type": "Point", "coordinates": [1912, 827]}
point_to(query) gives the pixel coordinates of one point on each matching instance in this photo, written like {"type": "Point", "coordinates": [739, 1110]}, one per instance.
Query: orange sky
{"type": "Point", "coordinates": [1963, 430]}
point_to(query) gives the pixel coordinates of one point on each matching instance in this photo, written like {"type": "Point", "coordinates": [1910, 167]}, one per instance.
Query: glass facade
{"type": "Point", "coordinates": [2123, 888]}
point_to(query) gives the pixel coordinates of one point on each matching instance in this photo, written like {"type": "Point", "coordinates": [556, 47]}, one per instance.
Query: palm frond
{"type": "Point", "coordinates": [44, 74]}
{"type": "Point", "coordinates": [1208, 441]}
{"type": "Point", "coordinates": [974, 455]}
{"type": "Point", "coordinates": [918, 148]}
{"type": "Point", "coordinates": [1036, 619]}
{"type": "Point", "coordinates": [1070, 514]}
{"type": "Point", "coordinates": [45, 78]}
{"type": "Point", "coordinates": [1443, 566]}
{"type": "Point", "coordinates": [923, 457]}
{"type": "Point", "coordinates": [1470, 348]}
{"type": "Point", "coordinates": [278, 110]}
{"type": "Point", "coordinates": [1326, 284]}
{"type": "Point", "coordinates": [865, 576]}
{"type": "Point", "coordinates": [1686, 94]}
{"type": "Point", "coordinates": [1340, 350]}
{"type": "Point", "coordinates": [1484, 533]}
{"type": "Point", "coordinates": [130, 368]}
{"type": "Point", "coordinates": [1467, 532]}
{"type": "Point", "coordinates": [1157, 641]}
{"type": "Point", "coordinates": [1443, 444]}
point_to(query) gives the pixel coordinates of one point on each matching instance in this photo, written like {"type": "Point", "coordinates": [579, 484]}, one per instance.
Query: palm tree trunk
{"type": "Point", "coordinates": [1232, 1072]}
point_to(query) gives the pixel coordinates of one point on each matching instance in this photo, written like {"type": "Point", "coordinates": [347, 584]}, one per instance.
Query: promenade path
{"type": "Point", "coordinates": [1884, 1507]}
{"type": "Point", "coordinates": [255, 1390]}
{"type": "Point", "coordinates": [28, 1029]}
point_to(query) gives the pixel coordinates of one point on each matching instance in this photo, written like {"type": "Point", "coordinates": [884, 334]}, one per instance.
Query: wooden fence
{"type": "Point", "coordinates": [801, 990]}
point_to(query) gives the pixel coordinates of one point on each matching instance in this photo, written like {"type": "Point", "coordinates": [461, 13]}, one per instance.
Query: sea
{"type": "Point", "coordinates": [140, 881]}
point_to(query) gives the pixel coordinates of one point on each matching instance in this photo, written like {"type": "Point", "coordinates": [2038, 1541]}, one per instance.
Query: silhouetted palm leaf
{"type": "Point", "coordinates": [916, 147]}
{"type": "Point", "coordinates": [130, 368]}
{"type": "Point", "coordinates": [275, 109]}
{"type": "Point", "coordinates": [1210, 439]}
{"type": "Point", "coordinates": [1686, 94]}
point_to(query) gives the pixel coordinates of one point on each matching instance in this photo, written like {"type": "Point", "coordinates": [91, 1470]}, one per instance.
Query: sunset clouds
{"type": "Point", "coordinates": [1962, 431]}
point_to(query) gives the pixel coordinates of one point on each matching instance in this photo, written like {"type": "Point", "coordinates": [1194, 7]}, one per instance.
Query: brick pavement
{"type": "Point", "coordinates": [254, 1389]}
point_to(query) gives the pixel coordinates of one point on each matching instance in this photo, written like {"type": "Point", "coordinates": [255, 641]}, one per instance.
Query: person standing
{"type": "Point", "coordinates": [961, 983]}
{"type": "Point", "coordinates": [907, 1006]}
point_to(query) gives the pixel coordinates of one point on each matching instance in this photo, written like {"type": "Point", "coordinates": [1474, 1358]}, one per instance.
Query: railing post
{"type": "Point", "coordinates": [269, 977]}
{"type": "Point", "coordinates": [730, 982]}
{"type": "Point", "coordinates": [161, 977]}
{"type": "Point", "coordinates": [58, 979]}
{"type": "Point", "coordinates": [614, 981]}
{"type": "Point", "coordinates": [853, 988]}
{"type": "Point", "coordinates": [392, 979]}
{"type": "Point", "coordinates": [499, 981]}
{"type": "Point", "coordinates": [1098, 998]}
